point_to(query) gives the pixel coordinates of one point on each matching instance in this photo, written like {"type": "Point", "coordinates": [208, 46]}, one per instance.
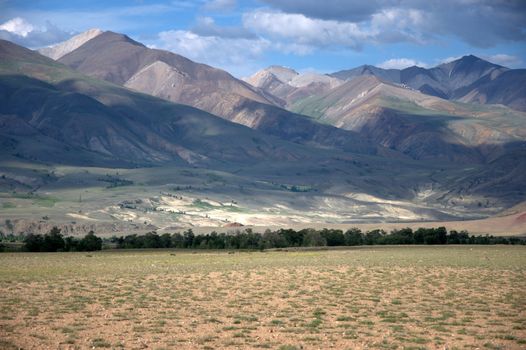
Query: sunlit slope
{"type": "Point", "coordinates": [422, 126]}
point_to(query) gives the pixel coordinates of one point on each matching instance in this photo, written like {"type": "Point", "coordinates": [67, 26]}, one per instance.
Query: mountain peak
{"type": "Point", "coordinates": [284, 74]}
{"type": "Point", "coordinates": [61, 49]}
{"type": "Point", "coordinates": [109, 36]}
{"type": "Point", "coordinates": [469, 60]}
{"type": "Point", "coordinates": [278, 67]}
{"type": "Point", "coordinates": [94, 31]}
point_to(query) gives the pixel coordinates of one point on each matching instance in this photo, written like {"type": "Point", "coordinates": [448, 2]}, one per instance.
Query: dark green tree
{"type": "Point", "coordinates": [353, 236]}
{"type": "Point", "coordinates": [90, 242]}
{"type": "Point", "coordinates": [188, 238]}
{"type": "Point", "coordinates": [419, 235]}
{"type": "Point", "coordinates": [333, 237]}
{"type": "Point", "coordinates": [374, 237]}
{"type": "Point", "coordinates": [313, 238]}
{"type": "Point", "coordinates": [53, 241]}
{"type": "Point", "coordinates": [34, 243]}
{"type": "Point", "coordinates": [273, 239]}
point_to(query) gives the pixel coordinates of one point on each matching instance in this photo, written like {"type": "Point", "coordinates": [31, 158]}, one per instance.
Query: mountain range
{"type": "Point", "coordinates": [396, 109]}
{"type": "Point", "coordinates": [69, 113]}
{"type": "Point", "coordinates": [467, 79]}
{"type": "Point", "coordinates": [178, 143]}
{"type": "Point", "coordinates": [118, 59]}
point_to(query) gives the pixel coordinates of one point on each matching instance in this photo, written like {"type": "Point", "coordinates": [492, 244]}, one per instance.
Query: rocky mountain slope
{"type": "Point", "coordinates": [289, 85]}
{"type": "Point", "coordinates": [80, 150]}
{"type": "Point", "coordinates": [455, 80]}
{"type": "Point", "coordinates": [392, 75]}
{"type": "Point", "coordinates": [118, 59]}
{"type": "Point", "coordinates": [85, 153]}
{"type": "Point", "coordinates": [47, 106]}
{"type": "Point", "coordinates": [57, 51]}
{"type": "Point", "coordinates": [508, 88]}
{"type": "Point", "coordinates": [417, 124]}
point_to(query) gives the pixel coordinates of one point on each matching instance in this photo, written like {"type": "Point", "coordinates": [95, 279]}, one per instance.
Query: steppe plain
{"type": "Point", "coordinates": [469, 297]}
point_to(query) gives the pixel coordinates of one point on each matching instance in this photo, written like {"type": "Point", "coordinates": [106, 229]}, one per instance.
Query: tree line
{"type": "Point", "coordinates": [54, 241]}
{"type": "Point", "coordinates": [287, 238]}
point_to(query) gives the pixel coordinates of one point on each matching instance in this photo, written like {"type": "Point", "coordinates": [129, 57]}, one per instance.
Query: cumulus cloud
{"type": "Point", "coordinates": [304, 26]}
{"type": "Point", "coordinates": [236, 55]}
{"type": "Point", "coordinates": [303, 30]}
{"type": "Point", "coordinates": [17, 26]}
{"type": "Point", "coordinates": [124, 19]}
{"type": "Point", "coordinates": [388, 26]}
{"type": "Point", "coordinates": [399, 25]}
{"type": "Point", "coordinates": [24, 33]}
{"type": "Point", "coordinates": [266, 29]}
{"type": "Point", "coordinates": [401, 63]}
{"type": "Point", "coordinates": [341, 10]}
{"type": "Point", "coordinates": [481, 23]}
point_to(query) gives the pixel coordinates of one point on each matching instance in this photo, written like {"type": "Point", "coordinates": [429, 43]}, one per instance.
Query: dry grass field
{"type": "Point", "coordinates": [450, 297]}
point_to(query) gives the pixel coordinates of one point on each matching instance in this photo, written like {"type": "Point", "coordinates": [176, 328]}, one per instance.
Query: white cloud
{"type": "Point", "coordinates": [236, 55]}
{"type": "Point", "coordinates": [504, 60]}
{"type": "Point", "coordinates": [307, 25]}
{"type": "Point", "coordinates": [387, 26]}
{"type": "Point", "coordinates": [398, 25]}
{"type": "Point", "coordinates": [304, 30]}
{"type": "Point", "coordinates": [482, 23]}
{"type": "Point", "coordinates": [22, 32]}
{"type": "Point", "coordinates": [353, 11]}
{"type": "Point", "coordinates": [17, 26]}
{"type": "Point", "coordinates": [122, 19]}
{"type": "Point", "coordinates": [237, 49]}
{"type": "Point", "coordinates": [401, 63]}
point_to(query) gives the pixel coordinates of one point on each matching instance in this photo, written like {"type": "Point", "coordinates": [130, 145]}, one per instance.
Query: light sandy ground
{"type": "Point", "coordinates": [509, 225]}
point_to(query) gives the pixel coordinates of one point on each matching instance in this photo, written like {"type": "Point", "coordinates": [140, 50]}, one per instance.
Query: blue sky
{"type": "Point", "coordinates": [245, 36]}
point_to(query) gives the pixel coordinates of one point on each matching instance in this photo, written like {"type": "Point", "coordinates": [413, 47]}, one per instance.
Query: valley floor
{"type": "Point", "coordinates": [502, 225]}
{"type": "Point", "coordinates": [172, 199]}
{"type": "Point", "coordinates": [375, 297]}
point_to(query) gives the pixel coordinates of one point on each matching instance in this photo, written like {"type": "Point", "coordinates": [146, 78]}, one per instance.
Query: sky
{"type": "Point", "coordinates": [307, 35]}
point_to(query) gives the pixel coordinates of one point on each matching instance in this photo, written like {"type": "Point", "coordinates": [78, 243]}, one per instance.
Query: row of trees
{"type": "Point", "coordinates": [285, 238]}
{"type": "Point", "coordinates": [54, 241]}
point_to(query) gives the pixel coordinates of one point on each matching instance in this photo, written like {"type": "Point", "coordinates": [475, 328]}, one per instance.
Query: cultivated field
{"type": "Point", "coordinates": [375, 297]}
